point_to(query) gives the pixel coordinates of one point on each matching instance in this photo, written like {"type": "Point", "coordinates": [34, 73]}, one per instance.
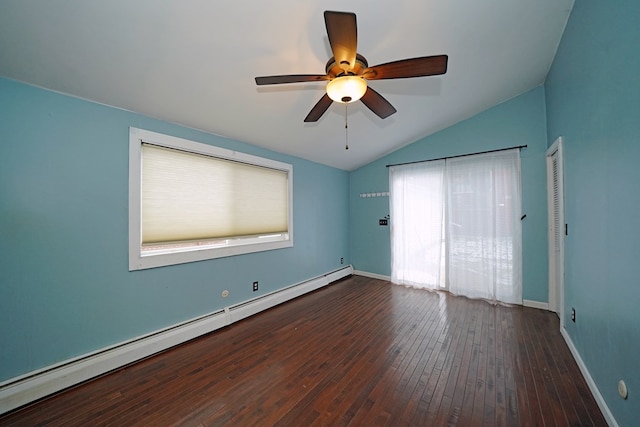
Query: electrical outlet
{"type": "Point", "coordinates": [341, 260]}
{"type": "Point", "coordinates": [255, 286]}
{"type": "Point", "coordinates": [573, 315]}
{"type": "Point", "coordinates": [383, 221]}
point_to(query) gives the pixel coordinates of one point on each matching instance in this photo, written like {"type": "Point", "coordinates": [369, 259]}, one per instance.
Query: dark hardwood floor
{"type": "Point", "coordinates": [360, 352]}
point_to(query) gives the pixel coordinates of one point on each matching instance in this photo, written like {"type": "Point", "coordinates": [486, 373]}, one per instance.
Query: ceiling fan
{"type": "Point", "coordinates": [347, 71]}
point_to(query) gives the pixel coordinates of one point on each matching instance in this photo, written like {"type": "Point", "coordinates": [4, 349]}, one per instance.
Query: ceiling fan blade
{"type": "Point", "coordinates": [415, 67]}
{"type": "Point", "coordinates": [342, 30]}
{"type": "Point", "coordinates": [293, 78]}
{"type": "Point", "coordinates": [319, 109]}
{"type": "Point", "coordinates": [377, 103]}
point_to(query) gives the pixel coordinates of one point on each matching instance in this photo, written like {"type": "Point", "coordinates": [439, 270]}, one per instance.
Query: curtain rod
{"type": "Point", "coordinates": [459, 155]}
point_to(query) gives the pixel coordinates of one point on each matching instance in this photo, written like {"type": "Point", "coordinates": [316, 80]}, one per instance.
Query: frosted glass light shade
{"type": "Point", "coordinates": [346, 89]}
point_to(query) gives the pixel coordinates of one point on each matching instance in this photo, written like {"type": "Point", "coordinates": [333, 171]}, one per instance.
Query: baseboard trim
{"type": "Point", "coordinates": [372, 275]}
{"type": "Point", "coordinates": [590, 382]}
{"type": "Point", "coordinates": [35, 385]}
{"type": "Point", "coordinates": [535, 304]}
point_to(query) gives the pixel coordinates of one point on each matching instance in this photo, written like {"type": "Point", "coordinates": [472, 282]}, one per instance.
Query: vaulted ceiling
{"type": "Point", "coordinates": [194, 62]}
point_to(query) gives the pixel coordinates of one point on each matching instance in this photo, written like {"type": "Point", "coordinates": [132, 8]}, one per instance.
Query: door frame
{"type": "Point", "coordinates": [556, 266]}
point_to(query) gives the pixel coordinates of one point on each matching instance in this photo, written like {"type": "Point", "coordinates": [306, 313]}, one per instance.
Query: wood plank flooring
{"type": "Point", "coordinates": [361, 352]}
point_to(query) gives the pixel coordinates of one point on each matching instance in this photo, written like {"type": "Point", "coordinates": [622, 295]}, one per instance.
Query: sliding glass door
{"type": "Point", "coordinates": [455, 224]}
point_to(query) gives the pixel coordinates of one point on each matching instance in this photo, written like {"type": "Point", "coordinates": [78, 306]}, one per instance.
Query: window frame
{"type": "Point", "coordinates": [140, 261]}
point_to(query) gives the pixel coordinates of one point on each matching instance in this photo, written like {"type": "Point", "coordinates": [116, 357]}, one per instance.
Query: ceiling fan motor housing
{"type": "Point", "coordinates": [333, 69]}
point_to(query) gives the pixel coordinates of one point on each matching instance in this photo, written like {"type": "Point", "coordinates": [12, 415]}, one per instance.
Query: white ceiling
{"type": "Point", "coordinates": [193, 63]}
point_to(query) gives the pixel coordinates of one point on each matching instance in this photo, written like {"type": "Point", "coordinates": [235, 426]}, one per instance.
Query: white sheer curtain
{"type": "Point", "coordinates": [480, 198]}
{"type": "Point", "coordinates": [483, 228]}
{"type": "Point", "coordinates": [416, 209]}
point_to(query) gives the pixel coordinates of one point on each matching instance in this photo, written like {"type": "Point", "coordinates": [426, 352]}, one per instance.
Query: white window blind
{"type": "Point", "coordinates": [188, 196]}
{"type": "Point", "coordinates": [191, 202]}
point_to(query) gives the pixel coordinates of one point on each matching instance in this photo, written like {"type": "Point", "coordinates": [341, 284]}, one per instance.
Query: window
{"type": "Point", "coordinates": [190, 201]}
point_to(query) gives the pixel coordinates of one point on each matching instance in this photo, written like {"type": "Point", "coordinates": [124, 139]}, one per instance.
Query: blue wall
{"type": "Point", "coordinates": [519, 121]}
{"type": "Point", "coordinates": [65, 288]}
{"type": "Point", "coordinates": [593, 101]}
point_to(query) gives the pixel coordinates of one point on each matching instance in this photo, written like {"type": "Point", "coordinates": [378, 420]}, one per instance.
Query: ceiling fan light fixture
{"type": "Point", "coordinates": [348, 72]}
{"type": "Point", "coordinates": [346, 89]}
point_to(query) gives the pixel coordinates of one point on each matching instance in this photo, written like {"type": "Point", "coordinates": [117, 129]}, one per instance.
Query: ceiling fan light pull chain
{"type": "Point", "coordinates": [346, 127]}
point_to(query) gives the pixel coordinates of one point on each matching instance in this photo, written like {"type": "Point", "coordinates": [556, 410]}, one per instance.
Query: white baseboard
{"type": "Point", "coordinates": [608, 416]}
{"type": "Point", "coordinates": [27, 388]}
{"type": "Point", "coordinates": [372, 275]}
{"type": "Point", "coordinates": [535, 304]}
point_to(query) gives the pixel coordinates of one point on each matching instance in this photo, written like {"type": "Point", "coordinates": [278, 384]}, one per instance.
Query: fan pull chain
{"type": "Point", "coordinates": [346, 127]}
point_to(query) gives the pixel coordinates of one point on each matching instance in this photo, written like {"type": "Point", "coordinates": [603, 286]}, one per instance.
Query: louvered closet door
{"type": "Point", "coordinates": [557, 226]}
{"type": "Point", "coordinates": [556, 229]}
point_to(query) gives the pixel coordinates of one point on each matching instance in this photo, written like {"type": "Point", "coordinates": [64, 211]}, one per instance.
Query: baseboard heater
{"type": "Point", "coordinates": [35, 385]}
